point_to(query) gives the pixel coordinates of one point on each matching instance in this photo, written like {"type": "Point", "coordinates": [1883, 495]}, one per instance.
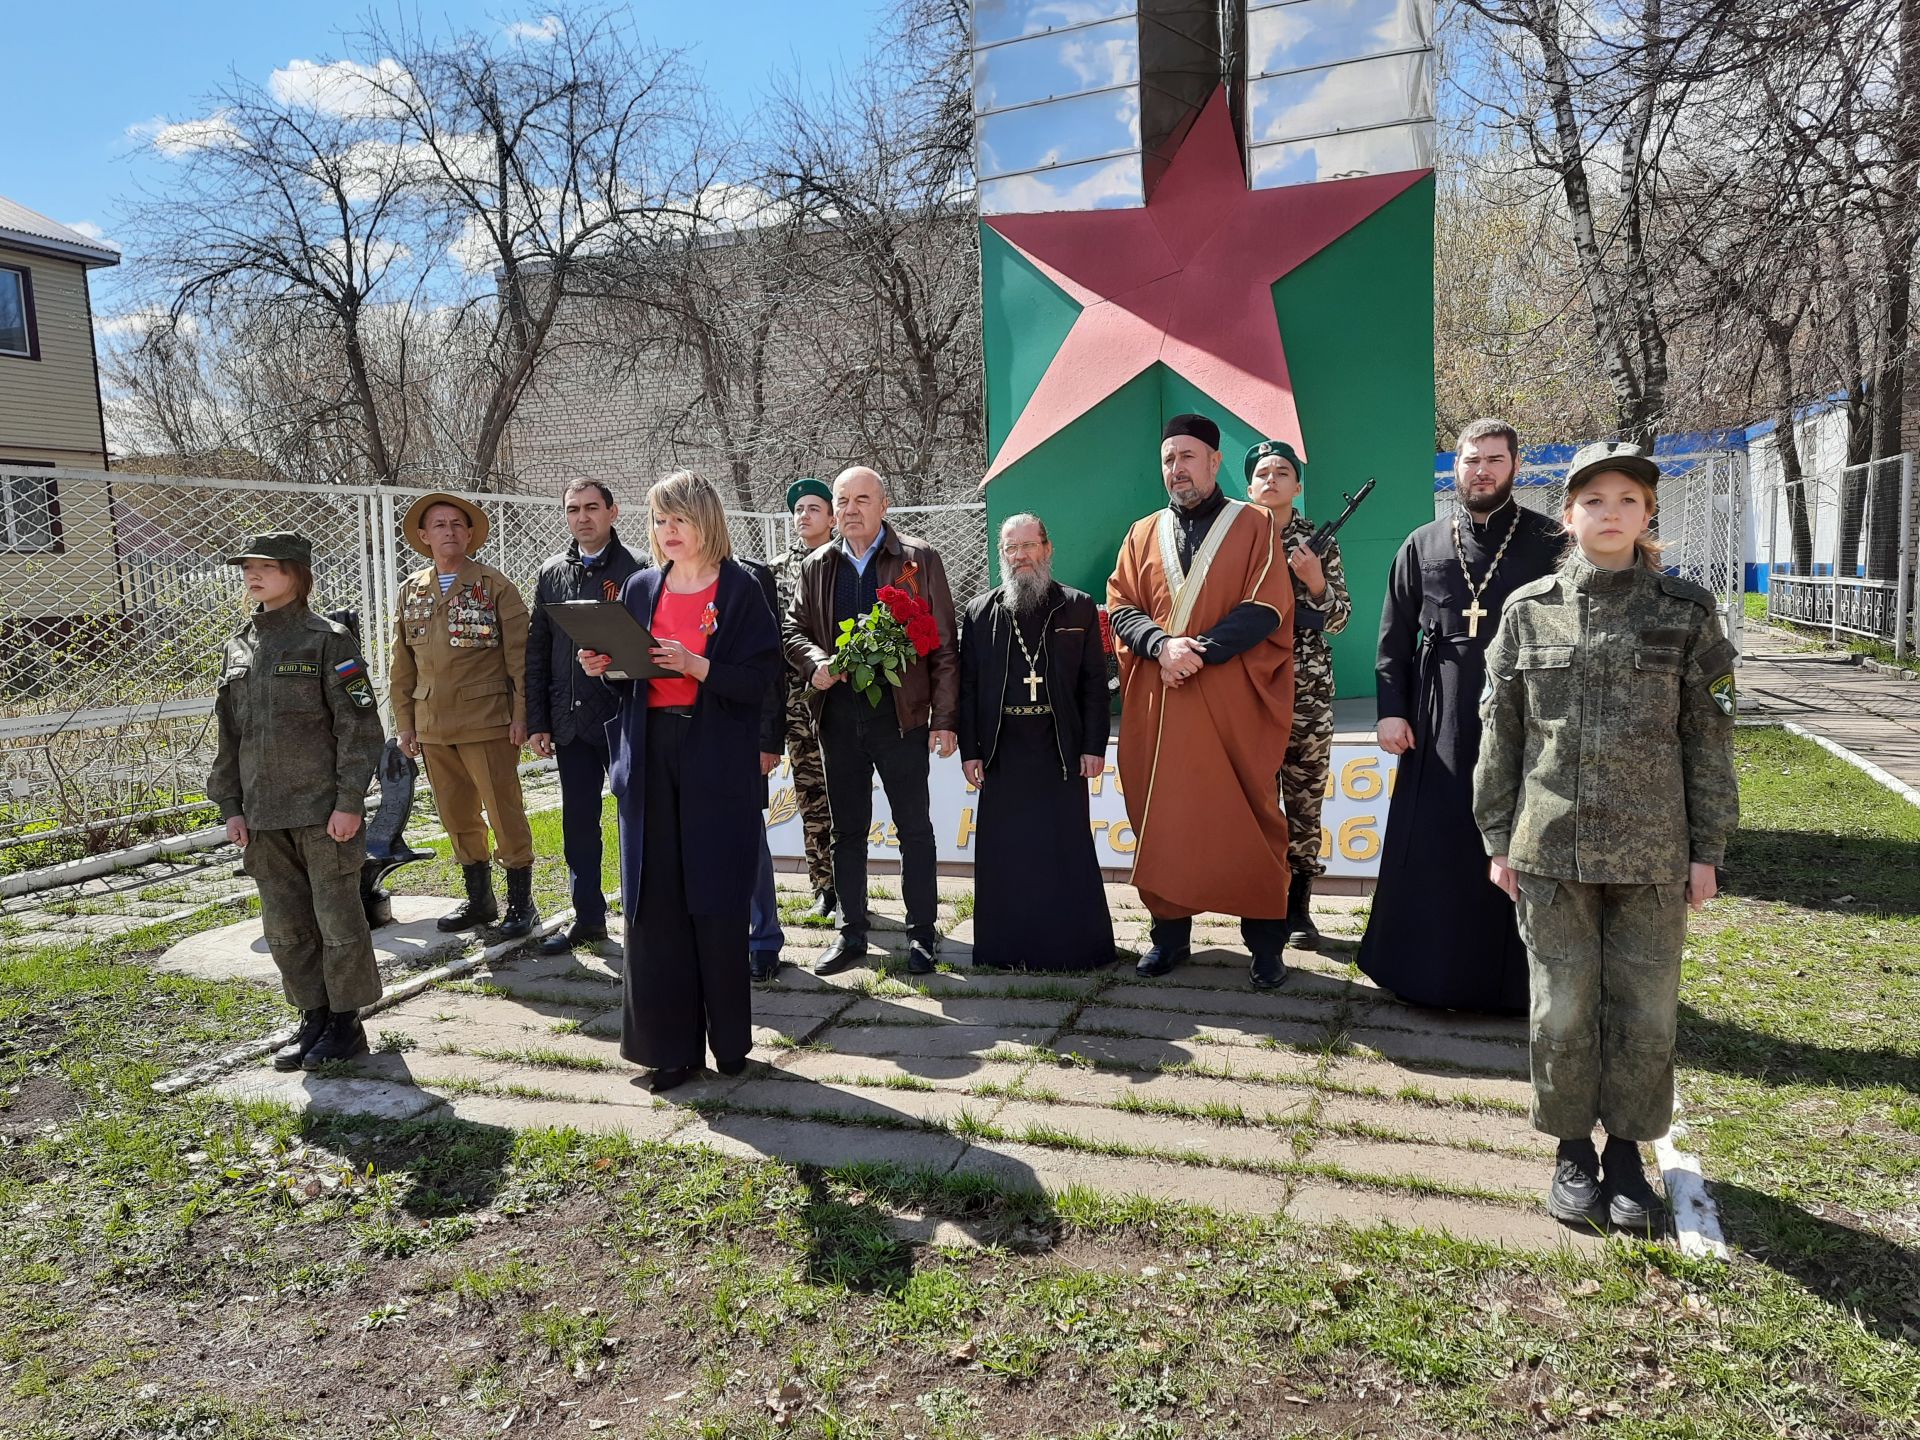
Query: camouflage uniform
{"type": "Point", "coordinates": [1303, 778]}
{"type": "Point", "coordinates": [803, 743]}
{"type": "Point", "coordinates": [299, 737]}
{"type": "Point", "coordinates": [1606, 767]}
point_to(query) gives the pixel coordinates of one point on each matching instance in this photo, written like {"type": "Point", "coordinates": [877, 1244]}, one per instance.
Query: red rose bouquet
{"type": "Point", "coordinates": [874, 651]}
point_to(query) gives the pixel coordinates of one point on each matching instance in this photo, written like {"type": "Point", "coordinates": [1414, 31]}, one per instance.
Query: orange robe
{"type": "Point", "coordinates": [1199, 763]}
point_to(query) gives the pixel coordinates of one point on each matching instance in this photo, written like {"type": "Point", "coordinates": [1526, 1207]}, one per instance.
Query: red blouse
{"type": "Point", "coordinates": [688, 619]}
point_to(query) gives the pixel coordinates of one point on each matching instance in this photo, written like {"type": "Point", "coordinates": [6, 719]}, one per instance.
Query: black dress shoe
{"type": "Point", "coordinates": [344, 1038]}
{"type": "Point", "coordinates": [843, 954]}
{"type": "Point", "coordinates": [824, 904]}
{"type": "Point", "coordinates": [563, 942]}
{"type": "Point", "coordinates": [1574, 1197]}
{"type": "Point", "coordinates": [920, 958]}
{"type": "Point", "coordinates": [1268, 972]}
{"type": "Point", "coordinates": [313, 1024]}
{"type": "Point", "coordinates": [731, 1067]}
{"type": "Point", "coordinates": [1631, 1202]}
{"type": "Point", "coordinates": [670, 1077]}
{"type": "Point", "coordinates": [763, 965]}
{"type": "Point", "coordinates": [1159, 960]}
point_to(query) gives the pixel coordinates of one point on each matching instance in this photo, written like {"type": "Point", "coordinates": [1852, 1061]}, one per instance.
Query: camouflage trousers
{"type": "Point", "coordinates": [810, 789]}
{"type": "Point", "coordinates": [1603, 965]}
{"type": "Point", "coordinates": [1303, 778]}
{"type": "Point", "coordinates": [310, 909]}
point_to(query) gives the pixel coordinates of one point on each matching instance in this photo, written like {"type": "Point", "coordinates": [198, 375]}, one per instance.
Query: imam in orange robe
{"type": "Point", "coordinates": [1199, 762]}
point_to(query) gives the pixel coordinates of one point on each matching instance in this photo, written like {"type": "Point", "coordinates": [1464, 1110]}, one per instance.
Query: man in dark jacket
{"type": "Point", "coordinates": [567, 712]}
{"type": "Point", "coordinates": [1033, 730]}
{"type": "Point", "coordinates": [842, 582]}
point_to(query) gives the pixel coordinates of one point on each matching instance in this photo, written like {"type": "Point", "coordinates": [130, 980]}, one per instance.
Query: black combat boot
{"type": "Point", "coordinates": [313, 1024]}
{"type": "Point", "coordinates": [521, 917]}
{"type": "Point", "coordinates": [1574, 1197]}
{"type": "Point", "coordinates": [1304, 934]}
{"type": "Point", "coordinates": [1631, 1202]}
{"type": "Point", "coordinates": [479, 908]}
{"type": "Point", "coordinates": [345, 1038]}
{"type": "Point", "coordinates": [824, 904]}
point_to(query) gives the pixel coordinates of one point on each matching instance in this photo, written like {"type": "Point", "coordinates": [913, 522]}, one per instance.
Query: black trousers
{"type": "Point", "coordinates": [1263, 937]}
{"type": "Point", "coordinates": [686, 981]}
{"type": "Point", "coordinates": [856, 741]}
{"type": "Point", "coordinates": [583, 778]}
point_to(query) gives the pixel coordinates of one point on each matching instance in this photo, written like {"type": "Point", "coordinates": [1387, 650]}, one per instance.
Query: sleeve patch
{"type": "Point", "coordinates": [360, 692]}
{"type": "Point", "coordinates": [297, 667]}
{"type": "Point", "coordinates": [1722, 692]}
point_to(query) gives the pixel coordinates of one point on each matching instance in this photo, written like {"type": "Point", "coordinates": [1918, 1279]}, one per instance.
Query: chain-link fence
{"type": "Point", "coordinates": [115, 601]}
{"type": "Point", "coordinates": [1840, 549]}
{"type": "Point", "coordinates": [1700, 508]}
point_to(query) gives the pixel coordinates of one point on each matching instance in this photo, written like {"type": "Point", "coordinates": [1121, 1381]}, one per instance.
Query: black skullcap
{"type": "Point", "coordinates": [1198, 426]}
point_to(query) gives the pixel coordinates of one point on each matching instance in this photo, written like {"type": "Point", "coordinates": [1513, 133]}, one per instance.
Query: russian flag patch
{"type": "Point", "coordinates": [347, 669]}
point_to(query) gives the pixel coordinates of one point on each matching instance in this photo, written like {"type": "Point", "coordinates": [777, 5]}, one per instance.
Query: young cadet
{"type": "Point", "coordinates": [1605, 795]}
{"type": "Point", "coordinates": [299, 737]}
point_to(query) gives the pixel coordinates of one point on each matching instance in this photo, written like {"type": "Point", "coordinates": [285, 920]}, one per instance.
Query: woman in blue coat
{"type": "Point", "coordinates": [685, 773]}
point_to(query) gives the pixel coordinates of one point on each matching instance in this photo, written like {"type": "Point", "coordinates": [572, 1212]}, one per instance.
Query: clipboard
{"type": "Point", "coordinates": [607, 626]}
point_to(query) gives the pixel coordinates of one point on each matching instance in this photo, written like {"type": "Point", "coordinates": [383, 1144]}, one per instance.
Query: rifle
{"type": "Point", "coordinates": [1303, 618]}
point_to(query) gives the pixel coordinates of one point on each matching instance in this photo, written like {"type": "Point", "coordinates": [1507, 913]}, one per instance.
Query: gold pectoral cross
{"type": "Point", "coordinates": [1033, 685]}
{"type": "Point", "coordinates": [1473, 612]}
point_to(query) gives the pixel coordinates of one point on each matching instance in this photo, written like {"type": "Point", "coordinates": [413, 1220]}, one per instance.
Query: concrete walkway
{"type": "Point", "coordinates": [1874, 715]}
{"type": "Point", "coordinates": [1327, 1100]}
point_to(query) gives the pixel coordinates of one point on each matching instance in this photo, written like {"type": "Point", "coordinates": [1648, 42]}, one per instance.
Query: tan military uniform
{"type": "Point", "coordinates": [459, 680]}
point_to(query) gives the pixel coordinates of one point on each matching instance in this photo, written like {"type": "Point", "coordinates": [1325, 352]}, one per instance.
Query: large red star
{"type": "Point", "coordinates": [1187, 282]}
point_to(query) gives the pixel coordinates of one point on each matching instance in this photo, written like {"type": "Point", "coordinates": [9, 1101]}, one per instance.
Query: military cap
{"type": "Point", "coordinates": [800, 489]}
{"type": "Point", "coordinates": [275, 545]}
{"type": "Point", "coordinates": [1275, 447]}
{"type": "Point", "coordinates": [417, 517]}
{"type": "Point", "coordinates": [1198, 426]}
{"type": "Point", "coordinates": [1590, 460]}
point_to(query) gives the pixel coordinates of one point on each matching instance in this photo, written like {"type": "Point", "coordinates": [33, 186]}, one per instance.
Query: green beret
{"type": "Point", "coordinates": [1275, 447]}
{"type": "Point", "coordinates": [275, 545]}
{"type": "Point", "coordinates": [800, 489]}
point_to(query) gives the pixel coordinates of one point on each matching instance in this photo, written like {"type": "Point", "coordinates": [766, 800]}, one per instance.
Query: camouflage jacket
{"type": "Point", "coordinates": [1314, 621]}
{"type": "Point", "coordinates": [786, 572]}
{"type": "Point", "coordinates": [299, 722]}
{"type": "Point", "coordinates": [1607, 748]}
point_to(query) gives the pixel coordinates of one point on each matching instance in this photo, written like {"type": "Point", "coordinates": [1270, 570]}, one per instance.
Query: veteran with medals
{"type": "Point", "coordinates": [459, 695]}
{"type": "Point", "coordinates": [1202, 604]}
{"type": "Point", "coordinates": [1033, 730]}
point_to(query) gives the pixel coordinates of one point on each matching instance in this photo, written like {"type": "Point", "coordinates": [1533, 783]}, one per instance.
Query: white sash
{"type": "Point", "coordinates": [1183, 585]}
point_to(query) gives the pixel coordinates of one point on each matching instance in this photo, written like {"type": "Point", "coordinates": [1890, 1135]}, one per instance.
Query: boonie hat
{"type": "Point", "coordinates": [1590, 460]}
{"type": "Point", "coordinates": [275, 545]}
{"type": "Point", "coordinates": [417, 512]}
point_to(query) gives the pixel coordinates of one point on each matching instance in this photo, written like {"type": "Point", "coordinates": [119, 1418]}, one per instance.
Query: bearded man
{"type": "Point", "coordinates": [1439, 933]}
{"type": "Point", "coordinates": [1033, 731]}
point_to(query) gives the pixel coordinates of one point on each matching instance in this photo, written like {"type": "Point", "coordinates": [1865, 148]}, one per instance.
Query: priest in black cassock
{"type": "Point", "coordinates": [1033, 730]}
{"type": "Point", "coordinates": [1440, 933]}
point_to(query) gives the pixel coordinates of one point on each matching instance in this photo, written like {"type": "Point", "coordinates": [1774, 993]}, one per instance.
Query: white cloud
{"type": "Point", "coordinates": [176, 138]}
{"type": "Point", "coordinates": [93, 232]}
{"type": "Point", "coordinates": [341, 87]}
{"type": "Point", "coordinates": [138, 323]}
{"type": "Point", "coordinates": [535, 32]}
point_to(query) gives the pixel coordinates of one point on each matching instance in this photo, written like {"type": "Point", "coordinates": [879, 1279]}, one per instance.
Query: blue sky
{"type": "Point", "coordinates": [84, 73]}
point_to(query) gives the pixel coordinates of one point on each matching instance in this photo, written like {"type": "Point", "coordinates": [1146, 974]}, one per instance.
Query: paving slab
{"type": "Point", "coordinates": [961, 1010]}
{"type": "Point", "coordinates": [1075, 1085]}
{"type": "Point", "coordinates": [1027, 1122]}
{"type": "Point", "coordinates": [1386, 1012]}
{"type": "Point", "coordinates": [1223, 1061]}
{"type": "Point", "coordinates": [774, 1002]}
{"type": "Point", "coordinates": [239, 951]}
{"type": "Point", "coordinates": [817, 1142]}
{"type": "Point", "coordinates": [1283, 1004]}
{"type": "Point", "coordinates": [592, 993]}
{"type": "Point", "coordinates": [1207, 982]}
{"type": "Point", "coordinates": [1442, 1125]}
{"type": "Point", "coordinates": [509, 1113]}
{"type": "Point", "coordinates": [1008, 984]}
{"type": "Point", "coordinates": [330, 1095]}
{"type": "Point", "coordinates": [1216, 1026]}
{"type": "Point", "coordinates": [442, 1006]}
{"type": "Point", "coordinates": [416, 1067]}
{"type": "Point", "coordinates": [1387, 1079]}
{"type": "Point", "coordinates": [962, 1073]}
{"type": "Point", "coordinates": [1437, 1047]}
{"type": "Point", "coordinates": [1514, 1229]}
{"type": "Point", "coordinates": [786, 1094]}
{"type": "Point", "coordinates": [1033, 1167]}
{"type": "Point", "coordinates": [512, 1043]}
{"type": "Point", "coordinates": [941, 1041]}
{"type": "Point", "coordinates": [1398, 1160]}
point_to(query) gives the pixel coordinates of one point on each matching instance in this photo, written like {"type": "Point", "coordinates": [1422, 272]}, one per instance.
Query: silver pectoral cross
{"type": "Point", "coordinates": [1033, 685]}
{"type": "Point", "coordinates": [1474, 612]}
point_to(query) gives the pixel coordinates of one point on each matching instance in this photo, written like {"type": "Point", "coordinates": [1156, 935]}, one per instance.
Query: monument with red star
{"type": "Point", "coordinates": [1302, 312]}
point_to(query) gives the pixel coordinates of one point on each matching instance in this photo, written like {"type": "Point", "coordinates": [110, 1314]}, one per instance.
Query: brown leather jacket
{"type": "Point", "coordinates": [929, 693]}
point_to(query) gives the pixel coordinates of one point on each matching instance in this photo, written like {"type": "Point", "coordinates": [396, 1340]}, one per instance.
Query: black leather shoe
{"type": "Point", "coordinates": [824, 904]}
{"type": "Point", "coordinates": [1268, 972]}
{"type": "Point", "coordinates": [313, 1024]}
{"type": "Point", "coordinates": [731, 1067]}
{"type": "Point", "coordinates": [763, 965]}
{"type": "Point", "coordinates": [479, 908]}
{"type": "Point", "coordinates": [843, 954]}
{"type": "Point", "coordinates": [344, 1038]}
{"type": "Point", "coordinates": [920, 958]}
{"type": "Point", "coordinates": [1574, 1197]}
{"type": "Point", "coordinates": [1631, 1202]}
{"type": "Point", "coordinates": [521, 915]}
{"type": "Point", "coordinates": [672, 1076]}
{"type": "Point", "coordinates": [1159, 960]}
{"type": "Point", "coordinates": [564, 942]}
{"type": "Point", "coordinates": [1303, 933]}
